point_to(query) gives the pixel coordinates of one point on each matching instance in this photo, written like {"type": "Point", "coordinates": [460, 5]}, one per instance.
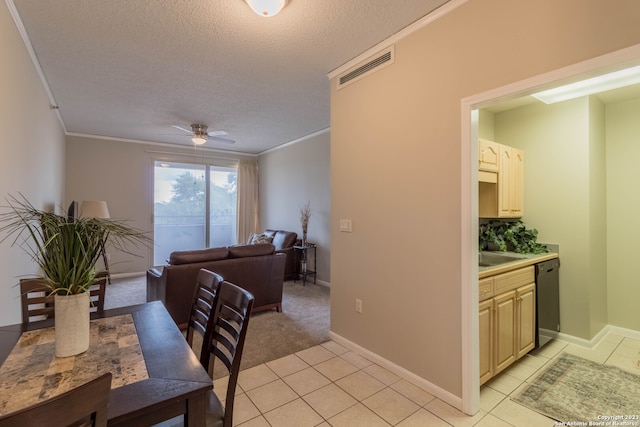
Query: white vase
{"type": "Point", "coordinates": [72, 324]}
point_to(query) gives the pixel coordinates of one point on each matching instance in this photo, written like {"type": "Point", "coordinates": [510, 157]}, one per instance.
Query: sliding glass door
{"type": "Point", "coordinates": [194, 207]}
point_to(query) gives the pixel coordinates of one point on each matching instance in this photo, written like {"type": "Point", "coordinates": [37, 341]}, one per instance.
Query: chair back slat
{"type": "Point", "coordinates": [37, 300]}
{"type": "Point", "coordinates": [203, 300]}
{"type": "Point", "coordinates": [97, 292]}
{"type": "Point", "coordinates": [38, 303]}
{"type": "Point", "coordinates": [228, 329]}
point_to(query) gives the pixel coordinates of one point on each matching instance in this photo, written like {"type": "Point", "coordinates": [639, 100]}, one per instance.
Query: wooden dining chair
{"type": "Point", "coordinates": [228, 328]}
{"type": "Point", "coordinates": [203, 301]}
{"type": "Point", "coordinates": [85, 405]}
{"type": "Point", "coordinates": [38, 302]}
{"type": "Point", "coordinates": [97, 292]}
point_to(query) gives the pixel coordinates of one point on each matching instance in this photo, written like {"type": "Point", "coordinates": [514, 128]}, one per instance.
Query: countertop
{"type": "Point", "coordinates": [524, 261]}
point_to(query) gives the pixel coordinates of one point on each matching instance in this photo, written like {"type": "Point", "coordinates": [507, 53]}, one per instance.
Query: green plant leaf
{"type": "Point", "coordinates": [65, 250]}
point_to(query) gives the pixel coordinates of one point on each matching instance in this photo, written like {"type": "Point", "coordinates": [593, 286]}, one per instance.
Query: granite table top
{"type": "Point", "coordinates": [32, 373]}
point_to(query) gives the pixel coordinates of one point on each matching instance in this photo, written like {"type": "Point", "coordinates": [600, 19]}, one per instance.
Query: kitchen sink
{"type": "Point", "coordinates": [489, 259]}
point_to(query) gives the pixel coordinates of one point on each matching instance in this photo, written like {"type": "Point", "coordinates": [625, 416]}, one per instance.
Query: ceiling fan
{"type": "Point", "coordinates": [199, 134]}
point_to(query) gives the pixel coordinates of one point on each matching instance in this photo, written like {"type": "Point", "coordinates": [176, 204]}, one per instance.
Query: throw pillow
{"type": "Point", "coordinates": [261, 238]}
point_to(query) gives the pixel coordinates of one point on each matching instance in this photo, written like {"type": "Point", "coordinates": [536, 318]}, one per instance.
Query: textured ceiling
{"type": "Point", "coordinates": [132, 68]}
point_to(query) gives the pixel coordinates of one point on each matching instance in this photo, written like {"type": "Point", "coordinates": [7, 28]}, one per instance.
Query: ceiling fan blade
{"type": "Point", "coordinates": [223, 140]}
{"type": "Point", "coordinates": [189, 131]}
{"type": "Point", "coordinates": [217, 133]}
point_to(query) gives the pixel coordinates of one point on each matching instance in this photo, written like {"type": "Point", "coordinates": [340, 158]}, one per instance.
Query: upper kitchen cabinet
{"type": "Point", "coordinates": [501, 193]}
{"type": "Point", "coordinates": [510, 183]}
{"type": "Point", "coordinates": [488, 155]}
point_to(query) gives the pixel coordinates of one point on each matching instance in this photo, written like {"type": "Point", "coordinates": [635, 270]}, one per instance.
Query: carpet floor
{"type": "Point", "coordinates": [577, 390]}
{"type": "Point", "coordinates": [303, 322]}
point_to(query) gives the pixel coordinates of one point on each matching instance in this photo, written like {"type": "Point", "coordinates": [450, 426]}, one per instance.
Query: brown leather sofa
{"type": "Point", "coordinates": [256, 268]}
{"type": "Point", "coordinates": [284, 242]}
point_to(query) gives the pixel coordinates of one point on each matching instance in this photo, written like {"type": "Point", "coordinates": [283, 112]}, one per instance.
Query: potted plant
{"type": "Point", "coordinates": [509, 236]}
{"type": "Point", "coordinates": [305, 214]}
{"type": "Point", "coordinates": [66, 251]}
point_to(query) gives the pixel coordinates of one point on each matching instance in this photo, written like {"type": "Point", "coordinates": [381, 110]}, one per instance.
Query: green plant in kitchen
{"type": "Point", "coordinates": [510, 236]}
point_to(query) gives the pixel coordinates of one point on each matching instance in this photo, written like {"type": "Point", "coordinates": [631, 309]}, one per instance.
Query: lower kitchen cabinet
{"type": "Point", "coordinates": [506, 320]}
{"type": "Point", "coordinates": [526, 309]}
{"type": "Point", "coordinates": [486, 340]}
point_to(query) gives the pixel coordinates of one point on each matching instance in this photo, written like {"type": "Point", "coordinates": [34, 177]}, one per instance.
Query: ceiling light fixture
{"type": "Point", "coordinates": [199, 139]}
{"type": "Point", "coordinates": [590, 86]}
{"type": "Point", "coordinates": [266, 8]}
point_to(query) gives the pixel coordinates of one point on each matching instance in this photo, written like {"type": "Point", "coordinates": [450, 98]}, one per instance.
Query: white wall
{"type": "Point", "coordinates": [121, 173]}
{"type": "Point", "coordinates": [396, 168]}
{"type": "Point", "coordinates": [290, 177]}
{"type": "Point", "coordinates": [31, 153]}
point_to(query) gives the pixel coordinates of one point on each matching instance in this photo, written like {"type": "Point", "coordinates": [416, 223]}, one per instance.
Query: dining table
{"type": "Point", "coordinates": [156, 374]}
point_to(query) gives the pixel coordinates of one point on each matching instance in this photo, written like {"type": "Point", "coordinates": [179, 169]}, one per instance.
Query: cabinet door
{"type": "Point", "coordinates": [516, 190]}
{"type": "Point", "coordinates": [486, 340]}
{"type": "Point", "coordinates": [504, 182]}
{"type": "Point", "coordinates": [511, 183]}
{"type": "Point", "coordinates": [526, 311]}
{"type": "Point", "coordinates": [488, 155]}
{"type": "Point", "coordinates": [504, 330]}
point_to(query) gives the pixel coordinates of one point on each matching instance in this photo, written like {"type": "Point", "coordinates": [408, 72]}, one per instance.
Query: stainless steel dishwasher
{"type": "Point", "coordinates": [547, 301]}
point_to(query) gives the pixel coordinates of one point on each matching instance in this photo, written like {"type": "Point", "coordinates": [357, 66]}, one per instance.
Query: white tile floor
{"type": "Point", "coordinates": [328, 385]}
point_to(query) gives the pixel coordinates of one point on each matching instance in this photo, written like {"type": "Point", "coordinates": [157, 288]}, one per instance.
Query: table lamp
{"type": "Point", "coordinates": [97, 209]}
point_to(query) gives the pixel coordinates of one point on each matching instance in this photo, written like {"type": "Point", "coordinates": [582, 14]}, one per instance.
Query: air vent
{"type": "Point", "coordinates": [377, 62]}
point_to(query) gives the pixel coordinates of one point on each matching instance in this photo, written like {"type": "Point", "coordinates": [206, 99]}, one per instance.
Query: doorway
{"type": "Point", "coordinates": [469, 157]}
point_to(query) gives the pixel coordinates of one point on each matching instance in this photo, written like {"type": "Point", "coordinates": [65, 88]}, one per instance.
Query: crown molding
{"type": "Point", "coordinates": [160, 144]}
{"type": "Point", "coordinates": [295, 141]}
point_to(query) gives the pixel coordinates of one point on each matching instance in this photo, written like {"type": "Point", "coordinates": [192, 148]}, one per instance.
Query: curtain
{"type": "Point", "coordinates": [247, 199]}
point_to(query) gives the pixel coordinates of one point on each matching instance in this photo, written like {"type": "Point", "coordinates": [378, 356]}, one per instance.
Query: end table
{"type": "Point", "coordinates": [307, 265]}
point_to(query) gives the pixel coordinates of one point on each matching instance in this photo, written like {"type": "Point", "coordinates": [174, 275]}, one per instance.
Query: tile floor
{"type": "Point", "coordinates": [328, 385]}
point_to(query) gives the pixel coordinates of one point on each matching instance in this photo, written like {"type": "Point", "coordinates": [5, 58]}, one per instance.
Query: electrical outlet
{"type": "Point", "coordinates": [358, 305]}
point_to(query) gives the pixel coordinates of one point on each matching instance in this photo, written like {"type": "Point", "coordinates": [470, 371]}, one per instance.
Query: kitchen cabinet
{"type": "Point", "coordinates": [488, 155]}
{"type": "Point", "coordinates": [526, 321]}
{"type": "Point", "coordinates": [510, 183]}
{"type": "Point", "coordinates": [486, 338]}
{"type": "Point", "coordinates": [506, 320]}
{"type": "Point", "coordinates": [501, 193]}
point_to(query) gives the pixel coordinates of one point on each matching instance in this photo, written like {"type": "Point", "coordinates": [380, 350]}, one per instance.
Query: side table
{"type": "Point", "coordinates": [307, 265]}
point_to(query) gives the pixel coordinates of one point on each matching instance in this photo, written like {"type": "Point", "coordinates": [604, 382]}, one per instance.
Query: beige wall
{"type": "Point", "coordinates": [597, 217]}
{"type": "Point", "coordinates": [289, 177]}
{"type": "Point", "coordinates": [120, 173]}
{"type": "Point", "coordinates": [31, 153]}
{"type": "Point", "coordinates": [395, 167]}
{"type": "Point", "coordinates": [565, 199]}
{"type": "Point", "coordinates": [623, 176]}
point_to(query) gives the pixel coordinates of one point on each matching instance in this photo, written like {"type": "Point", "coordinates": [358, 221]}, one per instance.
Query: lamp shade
{"type": "Point", "coordinates": [266, 7]}
{"type": "Point", "coordinates": [94, 209]}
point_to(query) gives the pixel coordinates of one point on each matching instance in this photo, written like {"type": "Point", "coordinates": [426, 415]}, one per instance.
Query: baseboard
{"type": "Point", "coordinates": [127, 275]}
{"type": "Point", "coordinates": [593, 342]}
{"type": "Point", "coordinates": [414, 379]}
{"type": "Point", "coordinates": [318, 282]}
{"type": "Point", "coordinates": [142, 273]}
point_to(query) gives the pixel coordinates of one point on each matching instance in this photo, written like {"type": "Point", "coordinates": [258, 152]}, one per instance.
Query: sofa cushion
{"type": "Point", "coordinates": [202, 255]}
{"type": "Point", "coordinates": [258, 249]}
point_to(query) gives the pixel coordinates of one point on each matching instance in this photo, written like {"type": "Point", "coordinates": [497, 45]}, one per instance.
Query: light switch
{"type": "Point", "coordinates": [345, 225]}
